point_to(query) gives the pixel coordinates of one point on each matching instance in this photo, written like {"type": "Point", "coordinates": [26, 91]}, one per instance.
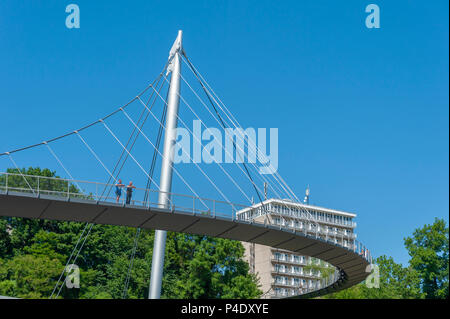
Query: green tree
{"type": "Point", "coordinates": [317, 266]}
{"type": "Point", "coordinates": [428, 248]}
{"type": "Point", "coordinates": [28, 276]}
{"type": "Point", "coordinates": [26, 180]}
{"type": "Point", "coordinates": [396, 282]}
{"type": "Point", "coordinates": [206, 267]}
{"type": "Point", "coordinates": [5, 240]}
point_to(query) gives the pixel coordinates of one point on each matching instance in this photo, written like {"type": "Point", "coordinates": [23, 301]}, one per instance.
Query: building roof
{"type": "Point", "coordinates": [296, 204]}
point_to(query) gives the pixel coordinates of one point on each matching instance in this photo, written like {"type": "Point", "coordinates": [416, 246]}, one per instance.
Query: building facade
{"type": "Point", "coordinates": [283, 273]}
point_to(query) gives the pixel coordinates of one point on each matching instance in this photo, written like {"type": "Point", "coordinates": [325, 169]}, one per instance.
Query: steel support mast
{"type": "Point", "coordinates": [165, 183]}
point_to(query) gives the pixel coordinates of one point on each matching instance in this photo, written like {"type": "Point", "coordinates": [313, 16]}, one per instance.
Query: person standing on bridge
{"type": "Point", "coordinates": [119, 186]}
{"type": "Point", "coordinates": [130, 192]}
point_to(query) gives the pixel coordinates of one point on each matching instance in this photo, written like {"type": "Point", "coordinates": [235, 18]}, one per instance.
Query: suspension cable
{"type": "Point", "coordinates": [62, 165]}
{"type": "Point", "coordinates": [197, 139]}
{"type": "Point", "coordinates": [195, 71]}
{"type": "Point", "coordinates": [95, 155]}
{"type": "Point", "coordinates": [20, 172]}
{"type": "Point", "coordinates": [132, 133]}
{"type": "Point", "coordinates": [262, 178]}
{"type": "Point", "coordinates": [175, 170]}
{"type": "Point", "coordinates": [149, 181]}
{"type": "Point", "coordinates": [67, 263]}
{"type": "Point", "coordinates": [111, 175]}
{"type": "Point", "coordinates": [80, 129]}
{"type": "Point", "coordinates": [206, 175]}
{"type": "Point", "coordinates": [76, 257]}
{"type": "Point", "coordinates": [201, 122]}
{"type": "Point", "coordinates": [223, 125]}
{"type": "Point", "coordinates": [130, 265]}
{"type": "Point", "coordinates": [199, 78]}
{"type": "Point", "coordinates": [98, 159]}
{"type": "Point", "coordinates": [87, 224]}
{"type": "Point", "coordinates": [155, 152]}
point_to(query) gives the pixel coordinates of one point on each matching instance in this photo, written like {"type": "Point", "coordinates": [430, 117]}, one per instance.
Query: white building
{"type": "Point", "coordinates": [284, 273]}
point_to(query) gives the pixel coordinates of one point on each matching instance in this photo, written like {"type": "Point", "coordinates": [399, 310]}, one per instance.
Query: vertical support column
{"type": "Point", "coordinates": [165, 183]}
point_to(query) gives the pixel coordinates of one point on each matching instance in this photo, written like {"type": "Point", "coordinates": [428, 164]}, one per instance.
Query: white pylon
{"type": "Point", "coordinates": [165, 183]}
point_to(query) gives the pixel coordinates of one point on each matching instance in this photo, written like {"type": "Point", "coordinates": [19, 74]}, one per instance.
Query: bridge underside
{"type": "Point", "coordinates": [351, 265]}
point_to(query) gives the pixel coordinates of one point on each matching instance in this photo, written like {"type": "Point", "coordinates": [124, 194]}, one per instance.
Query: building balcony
{"type": "Point", "coordinates": [320, 221]}
{"type": "Point", "coordinates": [286, 284]}
{"type": "Point", "coordinates": [320, 231]}
{"type": "Point", "coordinates": [302, 274]}
{"type": "Point", "coordinates": [290, 261]}
{"type": "Point", "coordinates": [298, 286]}
{"type": "Point", "coordinates": [283, 294]}
{"type": "Point", "coordinates": [288, 273]}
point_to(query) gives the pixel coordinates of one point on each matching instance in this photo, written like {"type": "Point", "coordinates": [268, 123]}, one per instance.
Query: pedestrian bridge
{"type": "Point", "coordinates": [187, 214]}
{"type": "Point", "coordinates": [90, 202]}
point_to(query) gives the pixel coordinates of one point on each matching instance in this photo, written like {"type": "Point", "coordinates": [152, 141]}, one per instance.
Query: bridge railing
{"type": "Point", "coordinates": [67, 188]}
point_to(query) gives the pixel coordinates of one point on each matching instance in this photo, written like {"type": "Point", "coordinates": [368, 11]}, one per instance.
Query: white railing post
{"type": "Point", "coordinates": [7, 182]}
{"type": "Point", "coordinates": [38, 185]}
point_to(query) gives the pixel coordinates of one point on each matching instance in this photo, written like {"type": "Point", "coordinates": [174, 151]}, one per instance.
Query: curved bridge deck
{"type": "Point", "coordinates": [351, 265]}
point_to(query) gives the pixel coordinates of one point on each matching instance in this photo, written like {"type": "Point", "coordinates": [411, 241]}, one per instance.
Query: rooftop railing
{"type": "Point", "coordinates": [288, 214]}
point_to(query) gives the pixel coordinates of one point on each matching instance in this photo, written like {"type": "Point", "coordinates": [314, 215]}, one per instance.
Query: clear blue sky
{"type": "Point", "coordinates": [362, 113]}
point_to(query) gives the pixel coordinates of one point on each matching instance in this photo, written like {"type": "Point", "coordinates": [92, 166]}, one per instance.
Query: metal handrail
{"type": "Point", "coordinates": [204, 205]}
{"type": "Point", "coordinates": [73, 181]}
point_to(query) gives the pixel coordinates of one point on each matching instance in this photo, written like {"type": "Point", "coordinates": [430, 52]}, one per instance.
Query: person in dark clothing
{"type": "Point", "coordinates": [129, 192]}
